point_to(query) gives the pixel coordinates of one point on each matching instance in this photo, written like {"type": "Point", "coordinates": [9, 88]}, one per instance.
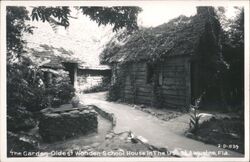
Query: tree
{"type": "Point", "coordinates": [233, 52]}
{"type": "Point", "coordinates": [22, 87]}
{"type": "Point", "coordinates": [15, 23]}
{"type": "Point", "coordinates": [119, 17]}
{"type": "Point", "coordinates": [17, 66]}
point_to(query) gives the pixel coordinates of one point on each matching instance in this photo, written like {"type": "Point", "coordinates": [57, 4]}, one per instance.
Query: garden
{"type": "Point", "coordinates": [47, 115]}
{"type": "Point", "coordinates": [44, 114]}
{"type": "Point", "coordinates": [224, 130]}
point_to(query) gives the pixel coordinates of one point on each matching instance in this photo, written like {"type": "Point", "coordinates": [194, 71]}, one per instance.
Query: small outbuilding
{"type": "Point", "coordinates": [82, 76]}
{"type": "Point", "coordinates": [170, 65]}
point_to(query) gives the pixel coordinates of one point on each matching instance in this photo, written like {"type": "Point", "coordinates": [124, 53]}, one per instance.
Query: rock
{"type": "Point", "coordinates": [20, 143]}
{"type": "Point", "coordinates": [205, 117]}
{"type": "Point", "coordinates": [189, 135]}
{"type": "Point", "coordinates": [134, 140]}
{"type": "Point", "coordinates": [20, 120]}
{"type": "Point", "coordinates": [142, 106]}
{"type": "Point", "coordinates": [108, 136]}
{"type": "Point", "coordinates": [56, 127]}
{"type": "Point", "coordinates": [86, 147]}
{"type": "Point", "coordinates": [52, 115]}
{"type": "Point", "coordinates": [74, 112]}
{"type": "Point", "coordinates": [85, 111]}
{"type": "Point", "coordinates": [142, 139]}
{"type": "Point", "coordinates": [95, 144]}
{"type": "Point", "coordinates": [125, 135]}
{"type": "Point", "coordinates": [75, 147]}
{"type": "Point", "coordinates": [65, 114]}
{"type": "Point", "coordinates": [163, 149]}
{"type": "Point", "coordinates": [199, 138]}
{"type": "Point", "coordinates": [47, 110]}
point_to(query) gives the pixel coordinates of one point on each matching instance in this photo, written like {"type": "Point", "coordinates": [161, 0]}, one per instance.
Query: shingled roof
{"type": "Point", "coordinates": [179, 36]}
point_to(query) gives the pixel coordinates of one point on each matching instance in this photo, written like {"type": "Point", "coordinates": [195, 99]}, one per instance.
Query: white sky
{"type": "Point", "coordinates": [86, 39]}
{"type": "Point", "coordinates": [159, 14]}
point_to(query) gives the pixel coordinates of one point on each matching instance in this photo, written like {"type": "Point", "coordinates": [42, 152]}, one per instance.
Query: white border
{"type": "Point", "coordinates": [3, 156]}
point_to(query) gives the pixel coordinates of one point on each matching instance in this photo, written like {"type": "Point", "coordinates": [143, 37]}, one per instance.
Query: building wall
{"type": "Point", "coordinates": [169, 88]}
{"type": "Point", "coordinates": [87, 79]}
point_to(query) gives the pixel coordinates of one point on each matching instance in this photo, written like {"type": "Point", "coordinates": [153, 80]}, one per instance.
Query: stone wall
{"type": "Point", "coordinates": [55, 126]}
{"type": "Point", "coordinates": [107, 115]}
{"type": "Point", "coordinates": [89, 78]}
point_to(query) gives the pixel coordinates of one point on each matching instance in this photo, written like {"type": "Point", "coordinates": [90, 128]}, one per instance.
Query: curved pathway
{"type": "Point", "coordinates": [159, 133]}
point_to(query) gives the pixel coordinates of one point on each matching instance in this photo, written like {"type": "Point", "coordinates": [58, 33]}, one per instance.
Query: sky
{"type": "Point", "coordinates": [87, 40]}
{"type": "Point", "coordinates": [155, 15]}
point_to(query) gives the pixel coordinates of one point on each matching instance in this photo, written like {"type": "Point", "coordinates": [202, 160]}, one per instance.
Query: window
{"type": "Point", "coordinates": [154, 74]}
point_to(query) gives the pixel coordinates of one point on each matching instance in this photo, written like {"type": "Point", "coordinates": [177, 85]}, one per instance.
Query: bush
{"type": "Point", "coordinates": [114, 92]}
{"type": "Point", "coordinates": [195, 116]}
{"type": "Point", "coordinates": [17, 142]}
{"type": "Point", "coordinates": [20, 119]}
{"type": "Point", "coordinates": [37, 99]}
{"type": "Point", "coordinates": [24, 87]}
{"type": "Point", "coordinates": [225, 131]}
{"type": "Point", "coordinates": [103, 86]}
{"type": "Point", "coordinates": [116, 88]}
{"type": "Point", "coordinates": [66, 92]}
{"type": "Point", "coordinates": [61, 91]}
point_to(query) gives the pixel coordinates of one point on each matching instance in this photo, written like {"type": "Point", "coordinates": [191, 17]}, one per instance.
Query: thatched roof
{"type": "Point", "coordinates": [51, 57]}
{"type": "Point", "coordinates": [179, 36]}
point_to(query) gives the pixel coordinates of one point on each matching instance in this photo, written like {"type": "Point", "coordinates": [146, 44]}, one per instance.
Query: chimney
{"type": "Point", "coordinates": [205, 11]}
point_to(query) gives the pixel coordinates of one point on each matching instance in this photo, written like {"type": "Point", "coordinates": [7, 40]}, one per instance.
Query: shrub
{"type": "Point", "coordinates": [61, 91]}
{"type": "Point", "coordinates": [116, 88]}
{"type": "Point", "coordinates": [66, 92]}
{"type": "Point", "coordinates": [20, 119]}
{"type": "Point", "coordinates": [223, 131]}
{"type": "Point", "coordinates": [114, 92]}
{"type": "Point", "coordinates": [103, 86]}
{"type": "Point", "coordinates": [195, 116]}
{"type": "Point", "coordinates": [37, 99]}
{"type": "Point", "coordinates": [24, 87]}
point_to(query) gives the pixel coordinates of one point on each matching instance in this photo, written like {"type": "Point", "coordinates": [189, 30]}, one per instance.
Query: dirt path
{"type": "Point", "coordinates": [160, 133]}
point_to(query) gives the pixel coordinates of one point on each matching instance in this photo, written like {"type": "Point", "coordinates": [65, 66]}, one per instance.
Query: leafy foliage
{"type": "Point", "coordinates": [233, 52]}
{"type": "Point", "coordinates": [117, 83]}
{"type": "Point", "coordinates": [23, 86]}
{"type": "Point", "coordinates": [23, 89]}
{"type": "Point", "coordinates": [103, 86]}
{"type": "Point", "coordinates": [15, 23]}
{"type": "Point", "coordinates": [223, 131]}
{"type": "Point", "coordinates": [49, 13]}
{"type": "Point", "coordinates": [114, 92]}
{"type": "Point", "coordinates": [60, 91]}
{"type": "Point", "coordinates": [195, 116]}
{"type": "Point", "coordinates": [119, 17]}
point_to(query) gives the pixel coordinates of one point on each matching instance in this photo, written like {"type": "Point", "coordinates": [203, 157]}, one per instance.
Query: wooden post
{"type": "Point", "coordinates": [75, 76]}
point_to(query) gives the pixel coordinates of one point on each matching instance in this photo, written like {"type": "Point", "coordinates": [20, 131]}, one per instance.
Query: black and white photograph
{"type": "Point", "coordinates": [135, 80]}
